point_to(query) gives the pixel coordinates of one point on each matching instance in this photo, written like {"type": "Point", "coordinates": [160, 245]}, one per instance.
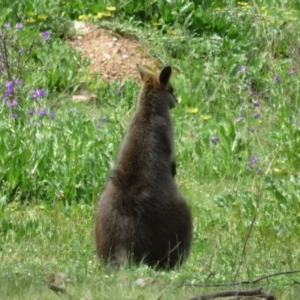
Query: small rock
{"type": "Point", "coordinates": [81, 27]}
{"type": "Point", "coordinates": [83, 96]}
{"type": "Point", "coordinates": [59, 278]}
{"type": "Point", "coordinates": [141, 282]}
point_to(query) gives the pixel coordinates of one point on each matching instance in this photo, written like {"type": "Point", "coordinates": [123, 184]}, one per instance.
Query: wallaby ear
{"type": "Point", "coordinates": [143, 72]}
{"type": "Point", "coordinates": [165, 75]}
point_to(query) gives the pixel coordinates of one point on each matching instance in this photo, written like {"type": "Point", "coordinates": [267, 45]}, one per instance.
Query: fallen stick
{"type": "Point", "coordinates": [250, 293]}
{"type": "Point", "coordinates": [240, 282]}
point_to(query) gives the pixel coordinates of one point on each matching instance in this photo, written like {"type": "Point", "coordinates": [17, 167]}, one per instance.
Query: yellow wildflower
{"type": "Point", "coordinates": [193, 110]}
{"type": "Point", "coordinates": [30, 20]}
{"type": "Point", "coordinates": [220, 9]}
{"type": "Point", "coordinates": [83, 17]}
{"type": "Point", "coordinates": [42, 17]}
{"type": "Point", "coordinates": [157, 24]}
{"type": "Point", "coordinates": [263, 10]}
{"type": "Point", "coordinates": [30, 14]}
{"type": "Point", "coordinates": [73, 168]}
{"type": "Point", "coordinates": [259, 121]}
{"type": "Point", "coordinates": [171, 32]}
{"type": "Point", "coordinates": [103, 14]}
{"type": "Point", "coordinates": [111, 8]}
{"type": "Point", "coordinates": [291, 19]}
{"type": "Point", "coordinates": [246, 6]}
{"type": "Point", "coordinates": [270, 20]}
{"type": "Point", "coordinates": [12, 206]}
{"type": "Point", "coordinates": [204, 117]}
{"type": "Point", "coordinates": [243, 4]}
{"type": "Point", "coordinates": [279, 171]}
{"type": "Point", "coordinates": [233, 203]}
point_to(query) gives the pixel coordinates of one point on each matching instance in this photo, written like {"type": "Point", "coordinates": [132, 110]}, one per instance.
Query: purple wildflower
{"type": "Point", "coordinates": [253, 93]}
{"type": "Point", "coordinates": [31, 111]}
{"type": "Point", "coordinates": [41, 112]}
{"type": "Point", "coordinates": [95, 117]}
{"type": "Point", "coordinates": [10, 85]}
{"type": "Point", "coordinates": [17, 81]}
{"type": "Point", "coordinates": [6, 25]}
{"type": "Point", "coordinates": [13, 103]}
{"type": "Point", "coordinates": [256, 103]}
{"type": "Point", "coordinates": [38, 93]}
{"type": "Point", "coordinates": [19, 26]}
{"type": "Point", "coordinates": [257, 115]}
{"type": "Point", "coordinates": [292, 71]}
{"type": "Point", "coordinates": [1, 70]}
{"type": "Point", "coordinates": [259, 170]}
{"type": "Point", "coordinates": [14, 115]}
{"type": "Point", "coordinates": [253, 159]}
{"type": "Point", "coordinates": [98, 126]}
{"type": "Point", "coordinates": [248, 82]}
{"type": "Point", "coordinates": [118, 91]}
{"type": "Point", "coordinates": [51, 115]}
{"type": "Point", "coordinates": [214, 140]}
{"type": "Point", "coordinates": [9, 89]}
{"type": "Point", "coordinates": [277, 78]}
{"type": "Point", "coordinates": [252, 130]}
{"type": "Point", "coordinates": [104, 120]}
{"type": "Point", "coordinates": [243, 69]}
{"type": "Point", "coordinates": [46, 35]}
{"type": "Point", "coordinates": [239, 118]}
{"type": "Point", "coordinates": [21, 51]}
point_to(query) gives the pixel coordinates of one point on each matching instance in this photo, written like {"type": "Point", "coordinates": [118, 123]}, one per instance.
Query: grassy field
{"type": "Point", "coordinates": [237, 142]}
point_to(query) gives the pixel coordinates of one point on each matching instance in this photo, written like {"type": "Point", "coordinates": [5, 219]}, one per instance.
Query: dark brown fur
{"type": "Point", "coordinates": [141, 213]}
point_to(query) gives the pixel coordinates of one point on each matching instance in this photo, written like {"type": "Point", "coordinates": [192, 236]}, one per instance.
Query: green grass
{"type": "Point", "coordinates": [53, 168]}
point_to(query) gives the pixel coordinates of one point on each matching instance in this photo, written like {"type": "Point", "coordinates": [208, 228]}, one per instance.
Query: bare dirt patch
{"type": "Point", "coordinates": [112, 56]}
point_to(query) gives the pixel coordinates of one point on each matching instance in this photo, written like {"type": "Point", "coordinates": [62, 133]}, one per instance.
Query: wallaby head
{"type": "Point", "coordinates": [158, 84]}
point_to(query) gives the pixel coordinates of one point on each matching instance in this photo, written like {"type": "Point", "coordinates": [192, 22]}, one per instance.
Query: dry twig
{"type": "Point", "coordinates": [250, 293]}
{"type": "Point", "coordinates": [241, 282]}
{"type": "Point", "coordinates": [243, 256]}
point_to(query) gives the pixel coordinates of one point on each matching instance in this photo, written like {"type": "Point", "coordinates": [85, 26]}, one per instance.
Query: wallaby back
{"type": "Point", "coordinates": [141, 213]}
